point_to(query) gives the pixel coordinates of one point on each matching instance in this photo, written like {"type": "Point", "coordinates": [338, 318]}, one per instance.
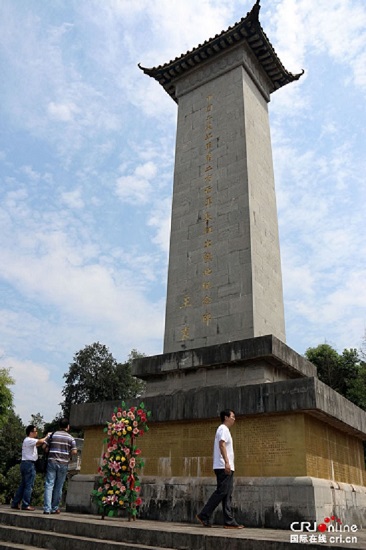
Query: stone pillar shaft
{"type": "Point", "coordinates": [224, 281]}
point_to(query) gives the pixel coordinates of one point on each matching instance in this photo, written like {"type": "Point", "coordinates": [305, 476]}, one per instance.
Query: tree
{"type": "Point", "coordinates": [95, 375]}
{"type": "Point", "coordinates": [12, 434]}
{"type": "Point", "coordinates": [357, 388]}
{"type": "Point", "coordinates": [54, 425]}
{"type": "Point", "coordinates": [345, 373]}
{"type": "Point", "coordinates": [6, 396]}
{"type": "Point", "coordinates": [38, 421]}
{"type": "Point", "coordinates": [10, 482]}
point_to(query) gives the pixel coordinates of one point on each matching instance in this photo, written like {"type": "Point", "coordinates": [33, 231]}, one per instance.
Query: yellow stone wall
{"type": "Point", "coordinates": [332, 454]}
{"type": "Point", "coordinates": [265, 446]}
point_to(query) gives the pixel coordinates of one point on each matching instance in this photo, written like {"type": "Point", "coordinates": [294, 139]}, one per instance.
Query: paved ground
{"type": "Point", "coordinates": [299, 540]}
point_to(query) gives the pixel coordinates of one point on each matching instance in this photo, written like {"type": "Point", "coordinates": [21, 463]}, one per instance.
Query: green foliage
{"type": "Point", "coordinates": [12, 434]}
{"type": "Point", "coordinates": [10, 483]}
{"type": "Point", "coordinates": [6, 396]}
{"type": "Point", "coordinates": [119, 484]}
{"type": "Point", "coordinates": [345, 372]}
{"type": "Point", "coordinates": [357, 388]}
{"type": "Point", "coordinates": [95, 375]}
{"type": "Point", "coordinates": [53, 425]}
{"type": "Point", "coordinates": [38, 421]}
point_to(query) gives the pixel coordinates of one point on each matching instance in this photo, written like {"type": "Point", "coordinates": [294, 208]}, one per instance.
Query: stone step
{"type": "Point", "coordinates": [69, 531]}
{"type": "Point", "coordinates": [58, 541]}
{"type": "Point", "coordinates": [14, 546]}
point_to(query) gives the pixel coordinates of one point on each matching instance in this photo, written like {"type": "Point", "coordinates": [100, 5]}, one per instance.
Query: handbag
{"type": "Point", "coordinates": [42, 460]}
{"type": "Point", "coordinates": [41, 464]}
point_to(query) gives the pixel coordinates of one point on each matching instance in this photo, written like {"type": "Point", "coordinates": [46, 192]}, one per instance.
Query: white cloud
{"type": "Point", "coordinates": [160, 220]}
{"type": "Point", "coordinates": [73, 199]}
{"type": "Point", "coordinates": [137, 188]}
{"type": "Point", "coordinates": [338, 32]}
{"type": "Point", "coordinates": [35, 391]}
{"type": "Point", "coordinates": [63, 112]}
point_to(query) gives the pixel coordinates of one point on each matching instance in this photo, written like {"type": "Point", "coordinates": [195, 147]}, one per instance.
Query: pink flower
{"type": "Point", "coordinates": [135, 431]}
{"type": "Point", "coordinates": [115, 466]}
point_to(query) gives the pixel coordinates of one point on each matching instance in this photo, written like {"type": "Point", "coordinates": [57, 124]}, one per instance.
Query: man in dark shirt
{"type": "Point", "coordinates": [60, 448]}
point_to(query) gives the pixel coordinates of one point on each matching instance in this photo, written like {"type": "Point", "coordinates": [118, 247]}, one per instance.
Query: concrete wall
{"type": "Point", "coordinates": [257, 502]}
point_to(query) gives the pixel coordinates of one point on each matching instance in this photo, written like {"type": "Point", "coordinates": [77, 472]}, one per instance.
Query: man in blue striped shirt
{"type": "Point", "coordinates": [60, 447]}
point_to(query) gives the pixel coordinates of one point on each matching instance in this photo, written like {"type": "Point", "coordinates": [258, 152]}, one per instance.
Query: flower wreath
{"type": "Point", "coordinates": [119, 485]}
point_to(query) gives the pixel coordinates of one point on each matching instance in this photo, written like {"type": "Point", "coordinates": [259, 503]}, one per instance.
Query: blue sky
{"type": "Point", "coordinates": [86, 169]}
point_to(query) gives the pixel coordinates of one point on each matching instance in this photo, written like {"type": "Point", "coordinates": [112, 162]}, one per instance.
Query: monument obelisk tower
{"type": "Point", "coordinates": [224, 281]}
{"type": "Point", "coordinates": [297, 441]}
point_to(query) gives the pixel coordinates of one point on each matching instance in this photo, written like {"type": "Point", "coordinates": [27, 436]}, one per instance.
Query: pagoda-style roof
{"type": "Point", "coordinates": [247, 30]}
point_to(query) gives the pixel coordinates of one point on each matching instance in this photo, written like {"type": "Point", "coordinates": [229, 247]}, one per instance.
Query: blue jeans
{"type": "Point", "coordinates": [24, 491]}
{"type": "Point", "coordinates": [55, 479]}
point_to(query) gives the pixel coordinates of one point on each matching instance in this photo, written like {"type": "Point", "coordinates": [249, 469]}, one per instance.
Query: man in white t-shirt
{"type": "Point", "coordinates": [223, 465]}
{"type": "Point", "coordinates": [23, 495]}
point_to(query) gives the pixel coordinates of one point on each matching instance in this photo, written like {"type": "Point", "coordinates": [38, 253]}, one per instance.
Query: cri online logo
{"type": "Point", "coordinates": [330, 524]}
{"type": "Point", "coordinates": [324, 526]}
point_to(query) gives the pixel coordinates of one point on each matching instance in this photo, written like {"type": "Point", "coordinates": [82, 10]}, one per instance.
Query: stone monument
{"type": "Point", "coordinates": [299, 451]}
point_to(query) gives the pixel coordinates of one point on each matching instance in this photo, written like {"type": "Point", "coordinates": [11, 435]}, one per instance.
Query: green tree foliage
{"type": "Point", "coordinates": [6, 396]}
{"type": "Point", "coordinates": [95, 375]}
{"type": "Point", "coordinates": [53, 425]}
{"type": "Point", "coordinates": [38, 421]}
{"type": "Point", "coordinates": [12, 434]}
{"type": "Point", "coordinates": [357, 388]}
{"type": "Point", "coordinates": [345, 372]}
{"type": "Point", "coordinates": [10, 483]}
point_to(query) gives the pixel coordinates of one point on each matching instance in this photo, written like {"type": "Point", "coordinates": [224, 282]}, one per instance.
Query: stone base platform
{"type": "Point", "coordinates": [298, 444]}
{"type": "Point", "coordinates": [258, 502]}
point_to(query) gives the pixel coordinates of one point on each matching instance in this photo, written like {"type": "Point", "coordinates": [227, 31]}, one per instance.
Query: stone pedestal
{"type": "Point", "coordinates": [298, 444]}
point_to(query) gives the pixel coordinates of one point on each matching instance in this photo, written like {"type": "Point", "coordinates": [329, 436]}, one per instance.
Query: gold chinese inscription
{"type": "Point", "coordinates": [185, 333]}
{"type": "Point", "coordinates": [208, 221]}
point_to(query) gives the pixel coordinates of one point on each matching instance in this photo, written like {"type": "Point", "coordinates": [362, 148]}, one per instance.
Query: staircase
{"type": "Point", "coordinates": [20, 530]}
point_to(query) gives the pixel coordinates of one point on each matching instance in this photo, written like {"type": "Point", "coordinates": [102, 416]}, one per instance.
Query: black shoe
{"type": "Point", "coordinates": [48, 513]}
{"type": "Point", "coordinates": [203, 522]}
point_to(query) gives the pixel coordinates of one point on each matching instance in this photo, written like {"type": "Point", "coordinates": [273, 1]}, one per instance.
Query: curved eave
{"type": "Point", "coordinates": [247, 30]}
